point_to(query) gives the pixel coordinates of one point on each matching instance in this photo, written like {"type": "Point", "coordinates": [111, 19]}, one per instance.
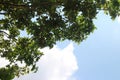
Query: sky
{"type": "Point", "coordinates": [96, 58]}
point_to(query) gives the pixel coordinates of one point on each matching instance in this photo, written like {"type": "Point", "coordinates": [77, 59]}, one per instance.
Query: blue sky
{"type": "Point", "coordinates": [99, 55]}
{"type": "Point", "coordinates": [96, 58]}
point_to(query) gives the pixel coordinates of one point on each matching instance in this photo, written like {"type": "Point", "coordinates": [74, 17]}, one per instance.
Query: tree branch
{"type": "Point", "coordinates": [11, 4]}
{"type": "Point", "coordinates": [27, 5]}
{"type": "Point", "coordinates": [2, 13]}
{"type": "Point", "coordinates": [4, 32]}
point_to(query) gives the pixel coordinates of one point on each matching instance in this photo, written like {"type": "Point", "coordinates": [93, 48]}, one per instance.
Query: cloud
{"type": "Point", "coordinates": [118, 19]}
{"type": "Point", "coordinates": [56, 64]}
{"type": "Point", "coordinates": [3, 62]}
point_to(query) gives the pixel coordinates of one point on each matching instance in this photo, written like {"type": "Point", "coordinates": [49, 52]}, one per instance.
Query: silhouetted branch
{"type": "Point", "coordinates": [4, 32]}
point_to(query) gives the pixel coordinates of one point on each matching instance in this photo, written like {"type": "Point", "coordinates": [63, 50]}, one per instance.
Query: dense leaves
{"type": "Point", "coordinates": [45, 22]}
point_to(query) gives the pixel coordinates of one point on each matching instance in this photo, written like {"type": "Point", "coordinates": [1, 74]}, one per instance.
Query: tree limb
{"type": "Point", "coordinates": [2, 13]}
{"type": "Point", "coordinates": [4, 32]}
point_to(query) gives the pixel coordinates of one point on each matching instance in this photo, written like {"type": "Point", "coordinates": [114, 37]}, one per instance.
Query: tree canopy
{"type": "Point", "coordinates": [45, 22]}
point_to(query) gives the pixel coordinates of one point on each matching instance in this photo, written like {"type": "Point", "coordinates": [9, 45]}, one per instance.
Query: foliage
{"type": "Point", "coordinates": [45, 21]}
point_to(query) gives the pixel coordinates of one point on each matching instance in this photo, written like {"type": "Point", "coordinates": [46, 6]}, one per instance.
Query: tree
{"type": "Point", "coordinates": [45, 21]}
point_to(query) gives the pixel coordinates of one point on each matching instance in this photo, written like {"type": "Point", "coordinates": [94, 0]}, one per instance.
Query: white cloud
{"type": "Point", "coordinates": [118, 19]}
{"type": "Point", "coordinates": [3, 62]}
{"type": "Point", "coordinates": [56, 64]}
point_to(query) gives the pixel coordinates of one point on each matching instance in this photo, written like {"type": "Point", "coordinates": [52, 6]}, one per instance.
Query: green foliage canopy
{"type": "Point", "coordinates": [46, 21]}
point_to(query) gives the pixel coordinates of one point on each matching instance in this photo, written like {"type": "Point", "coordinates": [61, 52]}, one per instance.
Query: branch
{"type": "Point", "coordinates": [27, 4]}
{"type": "Point", "coordinates": [11, 4]}
{"type": "Point", "coordinates": [2, 13]}
{"type": "Point", "coordinates": [4, 32]}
